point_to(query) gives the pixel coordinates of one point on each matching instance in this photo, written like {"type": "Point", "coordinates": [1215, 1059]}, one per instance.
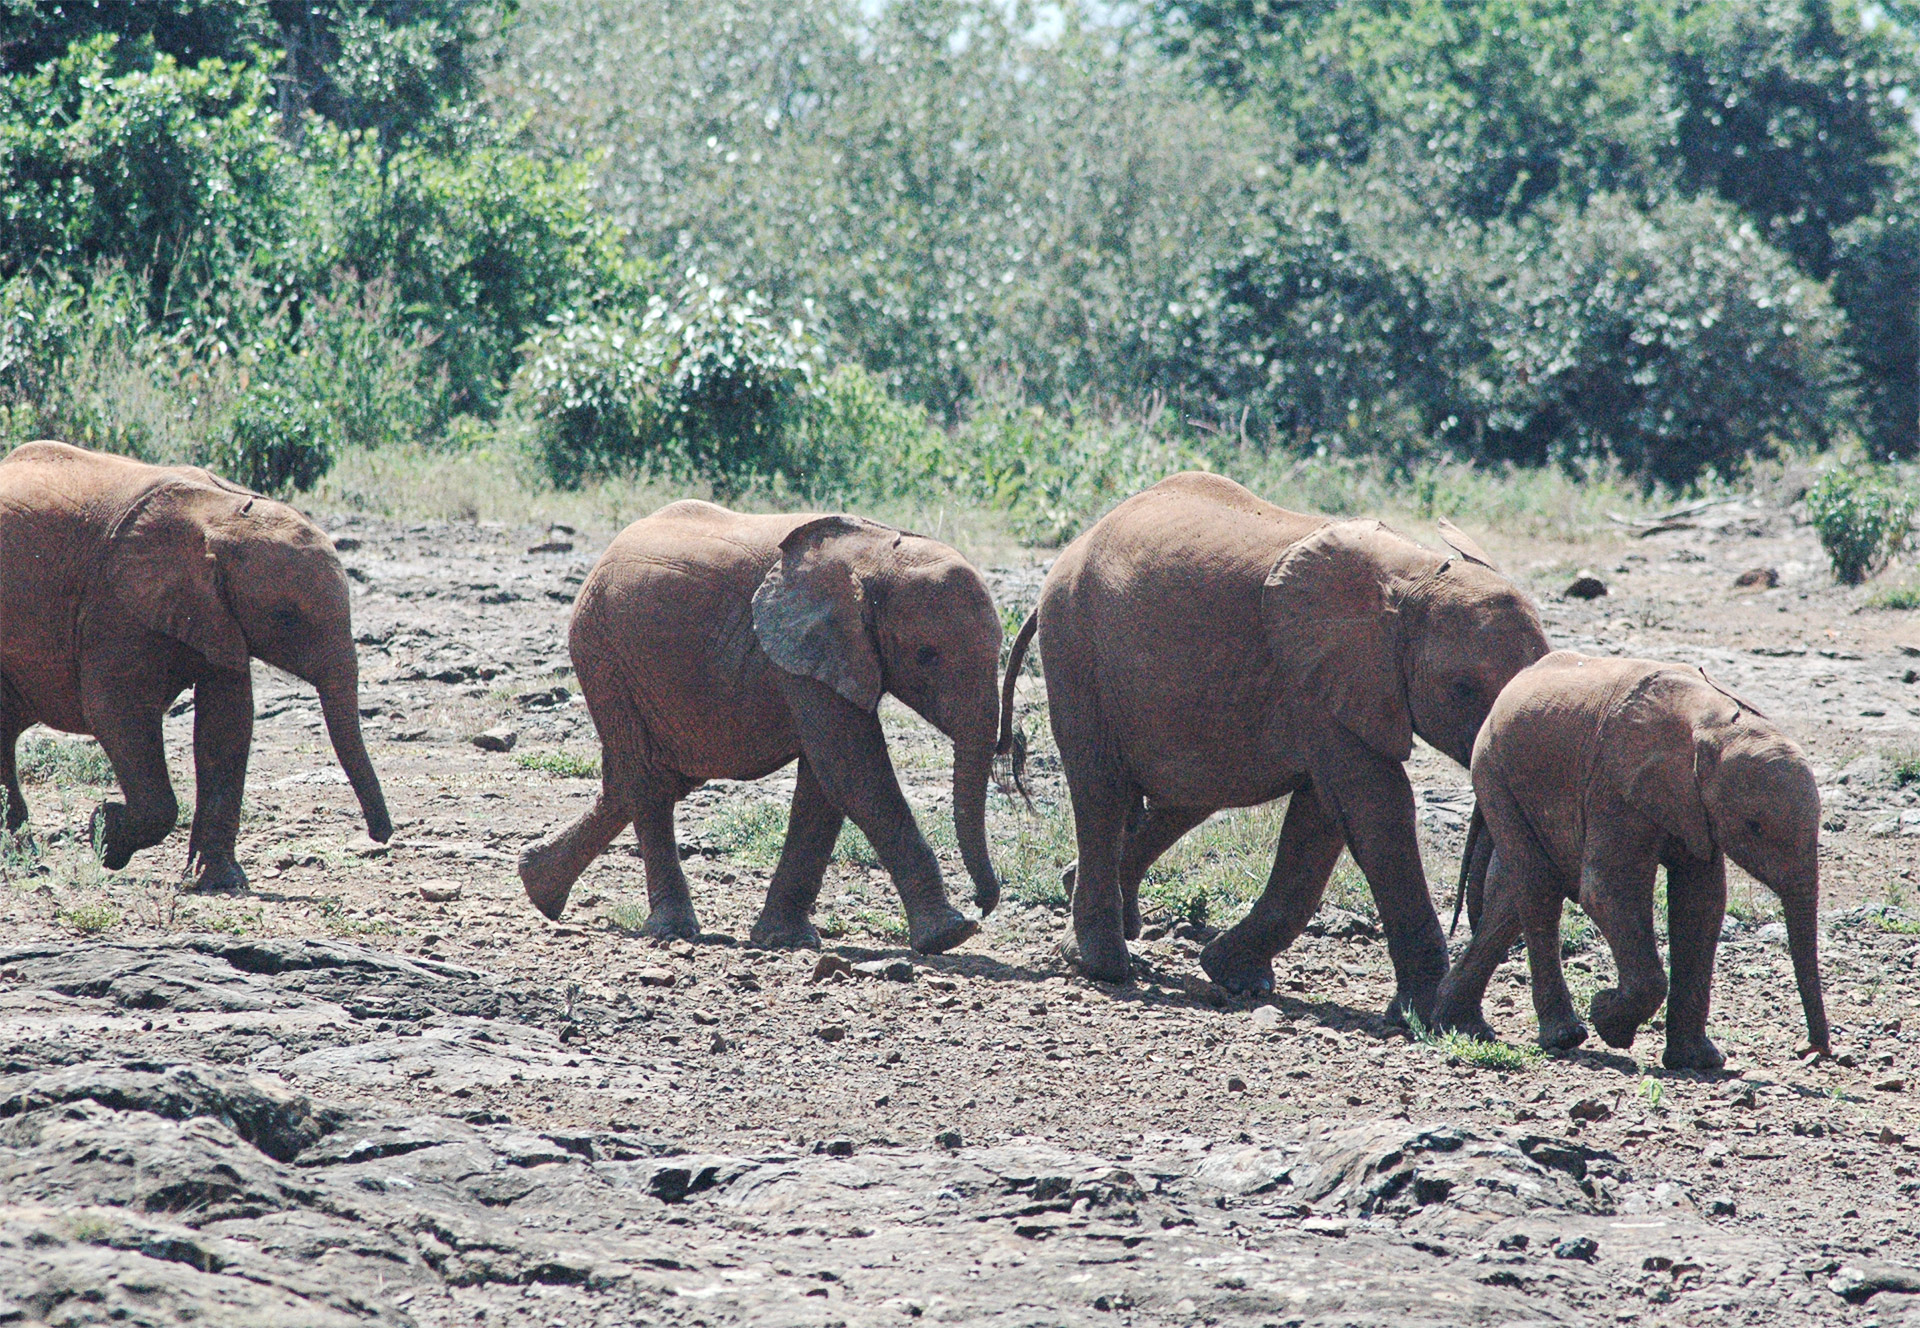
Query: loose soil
{"type": "Point", "coordinates": [376, 1087]}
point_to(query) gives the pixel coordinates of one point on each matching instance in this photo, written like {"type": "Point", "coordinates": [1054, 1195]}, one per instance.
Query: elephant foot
{"type": "Point", "coordinates": [1235, 971]}
{"type": "Point", "coordinates": [1694, 1053]}
{"type": "Point", "coordinates": [938, 931]}
{"type": "Point", "coordinates": [548, 896]}
{"type": "Point", "coordinates": [1410, 1004]}
{"type": "Point", "coordinates": [1562, 1034]}
{"type": "Point", "coordinates": [1613, 1019]}
{"type": "Point", "coordinates": [776, 933]}
{"type": "Point", "coordinates": [216, 875]}
{"type": "Point", "coordinates": [1102, 957]}
{"type": "Point", "coordinates": [1466, 1020]}
{"type": "Point", "coordinates": [671, 921]}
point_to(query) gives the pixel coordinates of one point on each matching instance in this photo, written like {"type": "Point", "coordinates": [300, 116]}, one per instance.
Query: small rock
{"type": "Point", "coordinates": [1889, 1137]}
{"type": "Point", "coordinates": [948, 1139]}
{"type": "Point", "coordinates": [345, 543]}
{"type": "Point", "coordinates": [1584, 1248]}
{"type": "Point", "coordinates": [500, 739]}
{"type": "Point", "coordinates": [830, 1032]}
{"type": "Point", "coordinates": [718, 1045]}
{"type": "Point", "coordinates": [654, 977]}
{"type": "Point", "coordinates": [1590, 1109]}
{"type": "Point", "coordinates": [1324, 1226]}
{"type": "Point", "coordinates": [365, 846]}
{"type": "Point", "coordinates": [1892, 1086]}
{"type": "Point", "coordinates": [1720, 1206]}
{"type": "Point", "coordinates": [1585, 585]}
{"type": "Point", "coordinates": [440, 890]}
{"type": "Point", "coordinates": [839, 1148]}
{"type": "Point", "coordinates": [832, 966]}
{"type": "Point", "coordinates": [1235, 1084]}
{"type": "Point", "coordinates": [1856, 1282]}
{"type": "Point", "coordinates": [552, 546]}
{"type": "Point", "coordinates": [1764, 577]}
{"type": "Point", "coordinates": [1265, 1018]}
{"type": "Point", "coordinates": [889, 970]}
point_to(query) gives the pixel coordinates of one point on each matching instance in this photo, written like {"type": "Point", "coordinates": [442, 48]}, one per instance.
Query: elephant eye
{"type": "Point", "coordinates": [928, 656]}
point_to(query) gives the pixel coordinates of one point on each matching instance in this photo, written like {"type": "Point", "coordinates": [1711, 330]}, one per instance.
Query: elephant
{"type": "Point", "coordinates": [711, 644]}
{"type": "Point", "coordinates": [1205, 649]}
{"type": "Point", "coordinates": [122, 584]}
{"type": "Point", "coordinates": [1591, 773]}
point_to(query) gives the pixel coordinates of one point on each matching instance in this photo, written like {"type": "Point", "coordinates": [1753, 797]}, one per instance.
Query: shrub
{"type": "Point", "coordinates": [848, 436]}
{"type": "Point", "coordinates": [1862, 519]}
{"type": "Point", "coordinates": [278, 439]}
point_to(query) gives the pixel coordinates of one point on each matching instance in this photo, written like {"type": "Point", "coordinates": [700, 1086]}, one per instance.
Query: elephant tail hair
{"type": "Point", "coordinates": [1012, 744]}
{"type": "Point", "coordinates": [1476, 835]}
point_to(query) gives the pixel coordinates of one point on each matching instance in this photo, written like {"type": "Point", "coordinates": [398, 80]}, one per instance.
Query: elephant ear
{"type": "Point", "coordinates": [163, 571]}
{"type": "Point", "coordinates": [1651, 749]}
{"type": "Point", "coordinates": [1464, 544]}
{"type": "Point", "coordinates": [1333, 626]}
{"type": "Point", "coordinates": [812, 614]}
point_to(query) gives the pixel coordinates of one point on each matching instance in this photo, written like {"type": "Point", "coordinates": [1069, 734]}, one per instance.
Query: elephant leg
{"type": "Point", "coordinates": [129, 733]}
{"type": "Point", "coordinates": [549, 868]}
{"type": "Point", "coordinates": [1371, 801]}
{"type": "Point", "coordinates": [1156, 832]}
{"type": "Point", "coordinates": [846, 749]}
{"type": "Point", "coordinates": [222, 737]}
{"type": "Point", "coordinates": [1310, 844]}
{"type": "Point", "coordinates": [669, 906]}
{"type": "Point", "coordinates": [813, 828]}
{"type": "Point", "coordinates": [1618, 896]}
{"type": "Point", "coordinates": [1560, 1026]}
{"type": "Point", "coordinates": [1457, 1008]}
{"type": "Point", "coordinates": [1696, 906]}
{"type": "Point", "coordinates": [13, 722]}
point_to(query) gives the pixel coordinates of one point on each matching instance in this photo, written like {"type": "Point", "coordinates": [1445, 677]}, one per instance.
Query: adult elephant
{"type": "Point", "coordinates": [1205, 649]}
{"type": "Point", "coordinates": [710, 644]}
{"type": "Point", "coordinates": [121, 585]}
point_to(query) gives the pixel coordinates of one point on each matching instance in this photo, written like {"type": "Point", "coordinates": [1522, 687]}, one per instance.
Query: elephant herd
{"type": "Point", "coordinates": [1202, 649]}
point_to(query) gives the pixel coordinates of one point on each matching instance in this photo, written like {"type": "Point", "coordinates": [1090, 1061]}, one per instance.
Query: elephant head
{"type": "Point", "coordinates": [866, 609]}
{"type": "Point", "coordinates": [1398, 639]}
{"type": "Point", "coordinates": [233, 575]}
{"type": "Point", "coordinates": [1718, 776]}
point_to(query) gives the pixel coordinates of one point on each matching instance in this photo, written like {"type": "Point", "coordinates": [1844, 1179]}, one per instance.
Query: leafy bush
{"type": "Point", "coordinates": [279, 439]}
{"type": "Point", "coordinates": [1862, 519]}
{"type": "Point", "coordinates": [706, 382]}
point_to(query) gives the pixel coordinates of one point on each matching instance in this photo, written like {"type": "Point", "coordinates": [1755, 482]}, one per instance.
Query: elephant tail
{"type": "Point", "coordinates": [1473, 869]}
{"type": "Point", "coordinates": [1012, 744]}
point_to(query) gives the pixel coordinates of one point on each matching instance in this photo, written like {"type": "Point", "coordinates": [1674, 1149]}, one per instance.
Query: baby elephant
{"type": "Point", "coordinates": [1592, 773]}
{"type": "Point", "coordinates": [715, 645]}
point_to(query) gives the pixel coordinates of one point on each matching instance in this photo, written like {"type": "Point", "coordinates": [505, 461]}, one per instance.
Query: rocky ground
{"type": "Point", "coordinates": [377, 1087]}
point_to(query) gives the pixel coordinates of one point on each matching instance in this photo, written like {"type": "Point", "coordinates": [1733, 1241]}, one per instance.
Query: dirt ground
{"type": "Point", "coordinates": [378, 1087]}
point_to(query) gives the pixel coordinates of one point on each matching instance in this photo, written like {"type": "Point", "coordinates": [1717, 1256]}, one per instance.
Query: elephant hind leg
{"type": "Point", "coordinates": [813, 828]}
{"type": "Point", "coordinates": [669, 906]}
{"type": "Point", "coordinates": [1160, 829]}
{"type": "Point", "coordinates": [1310, 844]}
{"type": "Point", "coordinates": [549, 868]}
{"type": "Point", "coordinates": [1457, 1008]}
{"type": "Point", "coordinates": [13, 722]}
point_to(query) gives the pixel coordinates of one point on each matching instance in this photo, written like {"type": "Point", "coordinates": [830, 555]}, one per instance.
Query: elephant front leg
{"type": "Point", "coordinates": [128, 729]}
{"type": "Point", "coordinates": [222, 737]}
{"type": "Point", "coordinates": [1457, 1007]}
{"type": "Point", "coordinates": [1368, 796]}
{"type": "Point", "coordinates": [549, 868]}
{"type": "Point", "coordinates": [669, 905]}
{"type": "Point", "coordinates": [813, 828]}
{"type": "Point", "coordinates": [13, 722]}
{"type": "Point", "coordinates": [1616, 890]}
{"type": "Point", "coordinates": [1696, 907]}
{"type": "Point", "coordinates": [846, 749]}
{"type": "Point", "coordinates": [1310, 844]}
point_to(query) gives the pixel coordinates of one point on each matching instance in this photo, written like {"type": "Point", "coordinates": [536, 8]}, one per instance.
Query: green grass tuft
{"type": "Point", "coordinates": [1508, 1056]}
{"type": "Point", "coordinates": [44, 759]}
{"type": "Point", "coordinates": [561, 763]}
{"type": "Point", "coordinates": [90, 918]}
{"type": "Point", "coordinates": [627, 916]}
{"type": "Point", "coordinates": [1895, 597]}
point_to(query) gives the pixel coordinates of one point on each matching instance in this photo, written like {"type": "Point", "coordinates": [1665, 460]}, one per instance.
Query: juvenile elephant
{"type": "Point", "coordinates": [1204, 649]}
{"type": "Point", "coordinates": [1592, 773]}
{"type": "Point", "coordinates": [715, 645]}
{"type": "Point", "coordinates": [122, 584]}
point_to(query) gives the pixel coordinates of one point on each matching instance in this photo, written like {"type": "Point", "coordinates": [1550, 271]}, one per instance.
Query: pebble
{"type": "Point", "coordinates": [1590, 1109]}
{"type": "Point", "coordinates": [1764, 577]}
{"type": "Point", "coordinates": [654, 977]}
{"type": "Point", "coordinates": [365, 846]}
{"type": "Point", "coordinates": [948, 1139]}
{"type": "Point", "coordinates": [499, 739]}
{"type": "Point", "coordinates": [1265, 1018]}
{"type": "Point", "coordinates": [890, 970]}
{"type": "Point", "coordinates": [832, 967]}
{"type": "Point", "coordinates": [440, 890]}
{"type": "Point", "coordinates": [830, 1032]}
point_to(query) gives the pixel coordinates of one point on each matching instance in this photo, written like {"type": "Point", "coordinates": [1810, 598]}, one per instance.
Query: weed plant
{"type": "Point", "coordinates": [560, 763]}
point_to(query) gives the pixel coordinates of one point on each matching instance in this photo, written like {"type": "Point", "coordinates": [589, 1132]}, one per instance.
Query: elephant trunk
{"type": "Point", "coordinates": [972, 764]}
{"type": "Point", "coordinates": [340, 703]}
{"type": "Point", "coordinates": [1802, 908]}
